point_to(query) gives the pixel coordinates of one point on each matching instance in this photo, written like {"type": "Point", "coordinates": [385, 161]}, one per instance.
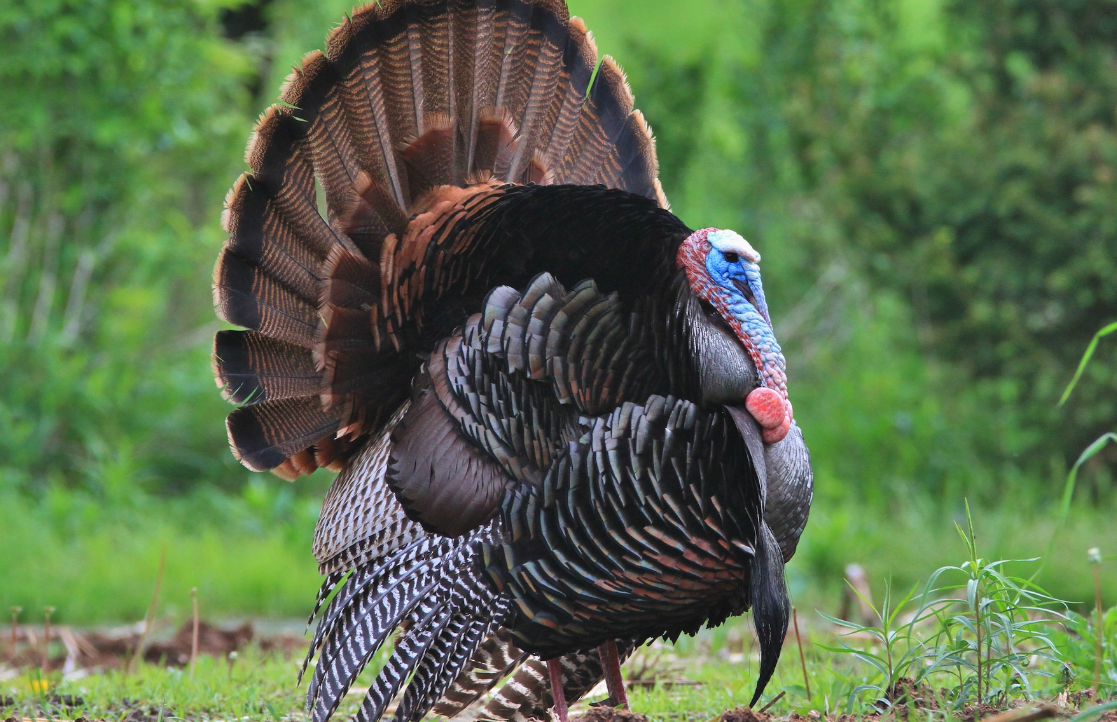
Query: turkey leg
{"type": "Point", "coordinates": [554, 671]}
{"type": "Point", "coordinates": [610, 660]}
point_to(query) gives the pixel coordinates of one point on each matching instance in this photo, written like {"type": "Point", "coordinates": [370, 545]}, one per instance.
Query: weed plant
{"type": "Point", "coordinates": [976, 635]}
{"type": "Point", "coordinates": [990, 640]}
{"type": "Point", "coordinates": [1078, 647]}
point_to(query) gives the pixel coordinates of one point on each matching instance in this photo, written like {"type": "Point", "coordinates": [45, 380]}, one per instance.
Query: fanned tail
{"type": "Point", "coordinates": [411, 97]}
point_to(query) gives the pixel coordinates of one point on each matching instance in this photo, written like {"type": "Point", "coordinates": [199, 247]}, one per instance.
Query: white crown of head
{"type": "Point", "coordinates": [732, 242]}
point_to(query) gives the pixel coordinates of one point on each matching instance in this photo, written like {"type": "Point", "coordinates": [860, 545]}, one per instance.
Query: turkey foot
{"type": "Point", "coordinates": [610, 660]}
{"type": "Point", "coordinates": [771, 411]}
{"type": "Point", "coordinates": [554, 671]}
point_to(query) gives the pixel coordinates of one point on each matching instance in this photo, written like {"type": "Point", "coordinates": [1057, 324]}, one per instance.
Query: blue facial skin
{"type": "Point", "coordinates": [754, 320]}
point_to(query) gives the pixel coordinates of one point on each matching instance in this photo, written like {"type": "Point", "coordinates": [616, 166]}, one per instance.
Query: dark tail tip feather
{"type": "Point", "coordinates": [771, 607]}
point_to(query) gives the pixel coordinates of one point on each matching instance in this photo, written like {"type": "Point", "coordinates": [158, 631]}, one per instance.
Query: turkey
{"type": "Point", "coordinates": [560, 415]}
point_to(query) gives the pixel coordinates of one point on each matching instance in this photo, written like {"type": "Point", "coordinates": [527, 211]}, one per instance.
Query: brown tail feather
{"type": "Point", "coordinates": [251, 368]}
{"type": "Point", "coordinates": [602, 120]}
{"type": "Point", "coordinates": [432, 158]}
{"type": "Point", "coordinates": [282, 180]}
{"type": "Point", "coordinates": [265, 435]}
{"type": "Point", "coordinates": [245, 295]}
{"type": "Point", "coordinates": [635, 157]}
{"type": "Point", "coordinates": [330, 142]}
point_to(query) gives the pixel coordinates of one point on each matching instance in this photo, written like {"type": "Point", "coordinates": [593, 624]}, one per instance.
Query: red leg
{"type": "Point", "coordinates": [554, 671]}
{"type": "Point", "coordinates": [610, 660]}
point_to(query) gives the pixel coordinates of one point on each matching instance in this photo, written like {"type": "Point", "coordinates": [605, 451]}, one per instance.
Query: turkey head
{"type": "Point", "coordinates": [723, 270]}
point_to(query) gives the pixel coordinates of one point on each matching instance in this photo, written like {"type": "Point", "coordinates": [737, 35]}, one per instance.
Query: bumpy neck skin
{"type": "Point", "coordinates": [722, 269]}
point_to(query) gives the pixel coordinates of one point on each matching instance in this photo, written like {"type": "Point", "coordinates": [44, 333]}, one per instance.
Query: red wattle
{"type": "Point", "coordinates": [767, 407]}
{"type": "Point", "coordinates": [774, 436]}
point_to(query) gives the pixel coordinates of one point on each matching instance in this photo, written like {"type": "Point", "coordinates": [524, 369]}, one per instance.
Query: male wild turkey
{"type": "Point", "coordinates": [560, 415]}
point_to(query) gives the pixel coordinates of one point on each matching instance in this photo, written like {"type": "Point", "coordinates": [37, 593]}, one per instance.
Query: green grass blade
{"type": "Point", "coordinates": [1094, 712]}
{"type": "Point", "coordinates": [1086, 359]}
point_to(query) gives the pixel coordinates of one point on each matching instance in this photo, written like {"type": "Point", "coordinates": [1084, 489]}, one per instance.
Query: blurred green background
{"type": "Point", "coordinates": [931, 184]}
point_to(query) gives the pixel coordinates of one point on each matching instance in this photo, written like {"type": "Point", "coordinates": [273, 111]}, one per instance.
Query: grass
{"type": "Point", "coordinates": [96, 562]}
{"type": "Point", "coordinates": [697, 679]}
{"type": "Point", "coordinates": [972, 631]}
{"type": "Point", "coordinates": [252, 685]}
{"type": "Point", "coordinates": [249, 554]}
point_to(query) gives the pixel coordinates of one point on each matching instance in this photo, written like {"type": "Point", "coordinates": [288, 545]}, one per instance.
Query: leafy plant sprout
{"type": "Point", "coordinates": [900, 650]}
{"type": "Point", "coordinates": [990, 636]}
{"type": "Point", "coordinates": [988, 630]}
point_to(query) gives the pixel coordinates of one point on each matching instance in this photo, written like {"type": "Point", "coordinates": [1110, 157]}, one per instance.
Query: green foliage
{"type": "Point", "coordinates": [899, 653]}
{"type": "Point", "coordinates": [988, 640]}
{"type": "Point", "coordinates": [121, 128]}
{"type": "Point", "coordinates": [1086, 356]}
{"type": "Point", "coordinates": [248, 686]}
{"type": "Point", "coordinates": [927, 181]}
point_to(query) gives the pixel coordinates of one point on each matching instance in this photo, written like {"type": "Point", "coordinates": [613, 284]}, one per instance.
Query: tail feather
{"type": "Point", "coordinates": [367, 101]}
{"type": "Point", "coordinates": [426, 626]}
{"type": "Point", "coordinates": [261, 235]}
{"type": "Point", "coordinates": [454, 661]}
{"type": "Point", "coordinates": [365, 627]}
{"type": "Point", "coordinates": [580, 58]}
{"type": "Point", "coordinates": [329, 140]}
{"type": "Point", "coordinates": [633, 166]}
{"type": "Point", "coordinates": [265, 435]}
{"type": "Point", "coordinates": [427, 671]}
{"type": "Point", "coordinates": [424, 587]}
{"type": "Point", "coordinates": [371, 591]}
{"type": "Point", "coordinates": [280, 187]}
{"type": "Point", "coordinates": [496, 657]}
{"type": "Point", "coordinates": [328, 585]}
{"type": "Point", "coordinates": [251, 368]}
{"type": "Point", "coordinates": [527, 696]}
{"type": "Point", "coordinates": [246, 295]}
{"type": "Point", "coordinates": [603, 118]}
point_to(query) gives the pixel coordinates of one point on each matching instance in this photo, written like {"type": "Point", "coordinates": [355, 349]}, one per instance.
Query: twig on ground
{"type": "Point", "coordinates": [1045, 711]}
{"type": "Point", "coordinates": [47, 611]}
{"type": "Point", "coordinates": [194, 632]}
{"type": "Point", "coordinates": [1094, 557]}
{"type": "Point", "coordinates": [150, 616]}
{"type": "Point", "coordinates": [775, 699]}
{"type": "Point", "coordinates": [802, 659]}
{"type": "Point", "coordinates": [15, 629]}
{"type": "Point", "coordinates": [857, 593]}
{"type": "Point", "coordinates": [73, 649]}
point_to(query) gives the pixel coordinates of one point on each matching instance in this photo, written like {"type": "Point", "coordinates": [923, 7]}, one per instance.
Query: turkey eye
{"type": "Point", "coordinates": [731, 257]}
